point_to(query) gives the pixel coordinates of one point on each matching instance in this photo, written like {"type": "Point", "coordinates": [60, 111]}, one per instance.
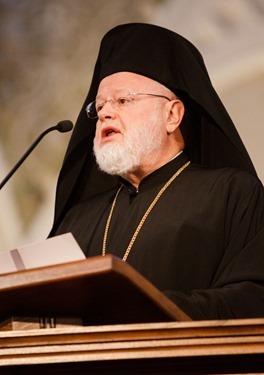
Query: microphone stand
{"type": "Point", "coordinates": [60, 127]}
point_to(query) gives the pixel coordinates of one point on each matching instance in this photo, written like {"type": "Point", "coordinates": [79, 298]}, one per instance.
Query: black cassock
{"type": "Point", "coordinates": [202, 244]}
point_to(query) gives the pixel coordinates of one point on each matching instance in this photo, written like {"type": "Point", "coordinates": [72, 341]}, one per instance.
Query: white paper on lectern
{"type": "Point", "coordinates": [55, 250]}
{"type": "Point", "coordinates": [7, 263]}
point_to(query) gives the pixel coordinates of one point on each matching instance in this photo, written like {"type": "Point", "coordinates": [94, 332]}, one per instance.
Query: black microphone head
{"type": "Point", "coordinates": [64, 126]}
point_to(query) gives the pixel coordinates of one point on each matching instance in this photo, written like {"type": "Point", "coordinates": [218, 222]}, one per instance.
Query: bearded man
{"type": "Point", "coordinates": [169, 186]}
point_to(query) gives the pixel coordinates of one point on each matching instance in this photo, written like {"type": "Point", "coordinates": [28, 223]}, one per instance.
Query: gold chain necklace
{"type": "Point", "coordinates": [142, 221]}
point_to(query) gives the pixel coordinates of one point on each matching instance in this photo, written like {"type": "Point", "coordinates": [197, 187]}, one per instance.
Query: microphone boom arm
{"type": "Point", "coordinates": [62, 126]}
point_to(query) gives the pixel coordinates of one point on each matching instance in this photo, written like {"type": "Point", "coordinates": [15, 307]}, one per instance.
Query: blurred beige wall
{"type": "Point", "coordinates": [48, 50]}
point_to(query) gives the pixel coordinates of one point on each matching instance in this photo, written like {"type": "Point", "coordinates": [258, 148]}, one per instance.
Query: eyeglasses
{"type": "Point", "coordinates": [124, 101]}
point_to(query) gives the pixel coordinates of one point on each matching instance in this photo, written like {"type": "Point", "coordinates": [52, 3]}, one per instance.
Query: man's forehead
{"type": "Point", "coordinates": [121, 81]}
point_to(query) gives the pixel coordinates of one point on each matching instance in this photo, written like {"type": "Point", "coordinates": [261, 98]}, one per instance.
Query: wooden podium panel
{"type": "Point", "coordinates": [130, 326]}
{"type": "Point", "coordinates": [208, 347]}
{"type": "Point", "coordinates": [100, 290]}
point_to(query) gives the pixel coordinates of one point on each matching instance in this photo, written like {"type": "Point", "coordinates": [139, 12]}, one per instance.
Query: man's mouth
{"type": "Point", "coordinates": [109, 131]}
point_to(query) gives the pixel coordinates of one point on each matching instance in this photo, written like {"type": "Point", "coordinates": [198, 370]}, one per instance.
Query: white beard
{"type": "Point", "coordinates": [139, 141]}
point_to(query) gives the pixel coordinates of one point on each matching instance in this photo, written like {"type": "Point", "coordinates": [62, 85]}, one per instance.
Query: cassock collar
{"type": "Point", "coordinates": [157, 177]}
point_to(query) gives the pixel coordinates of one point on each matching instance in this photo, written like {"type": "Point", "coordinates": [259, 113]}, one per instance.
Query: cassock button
{"type": "Point", "coordinates": [132, 191]}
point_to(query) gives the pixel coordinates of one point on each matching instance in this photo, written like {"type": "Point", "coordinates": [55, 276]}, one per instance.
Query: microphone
{"type": "Point", "coordinates": [62, 126]}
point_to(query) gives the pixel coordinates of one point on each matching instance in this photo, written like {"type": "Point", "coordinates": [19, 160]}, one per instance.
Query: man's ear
{"type": "Point", "coordinates": [175, 114]}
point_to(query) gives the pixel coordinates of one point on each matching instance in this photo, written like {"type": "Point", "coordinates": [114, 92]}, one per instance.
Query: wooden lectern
{"type": "Point", "coordinates": [100, 316]}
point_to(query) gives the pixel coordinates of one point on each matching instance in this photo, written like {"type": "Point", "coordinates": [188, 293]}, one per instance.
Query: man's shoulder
{"type": "Point", "coordinates": [227, 176]}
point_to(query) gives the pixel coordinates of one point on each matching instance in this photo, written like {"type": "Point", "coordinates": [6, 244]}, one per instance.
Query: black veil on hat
{"type": "Point", "coordinates": [165, 56]}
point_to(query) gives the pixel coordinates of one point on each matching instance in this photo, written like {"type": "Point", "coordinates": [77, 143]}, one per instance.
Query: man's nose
{"type": "Point", "coordinates": [108, 111]}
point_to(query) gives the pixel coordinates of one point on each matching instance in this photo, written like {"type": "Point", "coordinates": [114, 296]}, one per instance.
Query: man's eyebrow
{"type": "Point", "coordinates": [118, 92]}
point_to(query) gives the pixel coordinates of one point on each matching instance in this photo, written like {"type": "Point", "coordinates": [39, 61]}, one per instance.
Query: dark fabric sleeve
{"type": "Point", "coordinates": [201, 304]}
{"type": "Point", "coordinates": [241, 300]}
{"type": "Point", "coordinates": [237, 290]}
